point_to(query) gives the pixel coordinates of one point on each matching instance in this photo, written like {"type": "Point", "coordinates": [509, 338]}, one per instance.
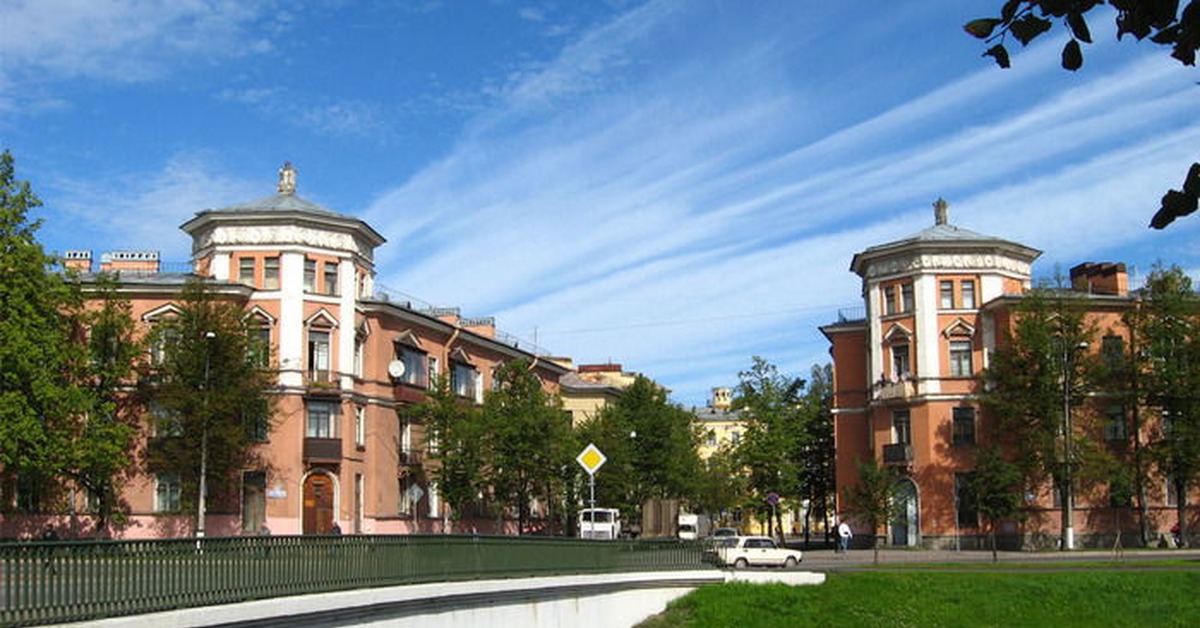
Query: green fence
{"type": "Point", "coordinates": [81, 580]}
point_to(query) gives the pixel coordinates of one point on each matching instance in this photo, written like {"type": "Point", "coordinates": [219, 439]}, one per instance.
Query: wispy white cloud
{"type": "Point", "coordinates": [324, 116]}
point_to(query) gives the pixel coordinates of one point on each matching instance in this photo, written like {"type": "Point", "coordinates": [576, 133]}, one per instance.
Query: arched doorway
{"type": "Point", "coordinates": [319, 503]}
{"type": "Point", "coordinates": [905, 528]}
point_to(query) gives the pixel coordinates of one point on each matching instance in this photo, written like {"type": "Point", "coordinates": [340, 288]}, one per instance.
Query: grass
{"type": "Point", "coordinates": [1033, 598]}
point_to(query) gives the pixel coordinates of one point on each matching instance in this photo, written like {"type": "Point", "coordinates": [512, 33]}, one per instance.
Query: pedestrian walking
{"type": "Point", "coordinates": [845, 535]}
{"type": "Point", "coordinates": [49, 535]}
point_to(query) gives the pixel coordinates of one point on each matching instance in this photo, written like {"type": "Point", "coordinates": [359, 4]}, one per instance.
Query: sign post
{"type": "Point", "coordinates": [591, 459]}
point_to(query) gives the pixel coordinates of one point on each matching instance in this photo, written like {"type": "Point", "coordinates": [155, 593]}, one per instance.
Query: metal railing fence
{"type": "Point", "coordinates": [52, 582]}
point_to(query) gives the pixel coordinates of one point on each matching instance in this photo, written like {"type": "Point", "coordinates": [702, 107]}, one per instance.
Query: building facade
{"type": "Point", "coordinates": [342, 450]}
{"type": "Point", "coordinates": [907, 382]}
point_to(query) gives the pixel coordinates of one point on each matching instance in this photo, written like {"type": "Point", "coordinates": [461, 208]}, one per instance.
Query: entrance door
{"type": "Point", "coordinates": [904, 527]}
{"type": "Point", "coordinates": [254, 501]}
{"type": "Point", "coordinates": [318, 504]}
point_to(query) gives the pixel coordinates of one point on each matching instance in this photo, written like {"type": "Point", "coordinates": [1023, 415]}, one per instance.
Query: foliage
{"type": "Point", "coordinates": [456, 442]}
{"type": "Point", "coordinates": [208, 400]}
{"type": "Point", "coordinates": [528, 437]}
{"type": "Point", "coordinates": [870, 502]}
{"type": "Point", "coordinates": [774, 439]}
{"type": "Point", "coordinates": [1037, 371]}
{"type": "Point", "coordinates": [997, 486]}
{"type": "Point", "coordinates": [1167, 329]}
{"type": "Point", "coordinates": [58, 385]}
{"type": "Point", "coordinates": [1093, 597]}
{"type": "Point", "coordinates": [1161, 20]}
{"type": "Point", "coordinates": [650, 446]}
{"type": "Point", "coordinates": [818, 483]}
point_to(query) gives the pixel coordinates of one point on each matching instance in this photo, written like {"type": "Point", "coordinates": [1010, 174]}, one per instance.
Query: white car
{"type": "Point", "coordinates": [748, 551]}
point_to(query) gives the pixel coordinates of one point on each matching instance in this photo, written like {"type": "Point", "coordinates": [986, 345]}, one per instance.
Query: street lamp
{"type": "Point", "coordinates": [1068, 491]}
{"type": "Point", "coordinates": [209, 336]}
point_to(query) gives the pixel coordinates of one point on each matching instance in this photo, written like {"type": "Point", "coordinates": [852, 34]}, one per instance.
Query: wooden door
{"type": "Point", "coordinates": [318, 504]}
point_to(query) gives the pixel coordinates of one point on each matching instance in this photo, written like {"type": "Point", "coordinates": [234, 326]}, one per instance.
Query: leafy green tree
{"type": "Point", "coordinates": [1162, 21]}
{"type": "Point", "coordinates": [1167, 329]}
{"type": "Point", "coordinates": [871, 501]}
{"type": "Point", "coordinates": [773, 442]}
{"type": "Point", "coordinates": [528, 439]}
{"type": "Point", "coordinates": [720, 485]}
{"type": "Point", "coordinates": [818, 481]}
{"type": "Point", "coordinates": [208, 398]}
{"type": "Point", "coordinates": [104, 441]}
{"type": "Point", "coordinates": [456, 443]}
{"type": "Point", "coordinates": [1038, 373]}
{"type": "Point", "coordinates": [998, 490]}
{"type": "Point", "coordinates": [650, 445]}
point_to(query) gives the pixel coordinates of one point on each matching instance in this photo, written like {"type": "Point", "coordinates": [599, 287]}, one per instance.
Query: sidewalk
{"type": "Point", "coordinates": [828, 560]}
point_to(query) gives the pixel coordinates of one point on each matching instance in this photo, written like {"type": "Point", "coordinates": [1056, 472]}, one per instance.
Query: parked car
{"type": "Point", "coordinates": [726, 532]}
{"type": "Point", "coordinates": [754, 551]}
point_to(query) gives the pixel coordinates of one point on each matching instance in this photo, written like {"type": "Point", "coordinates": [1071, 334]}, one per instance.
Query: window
{"type": "Point", "coordinates": [359, 347]}
{"type": "Point", "coordinates": [1172, 495]}
{"type": "Point", "coordinates": [463, 380]}
{"type": "Point", "coordinates": [965, 504]}
{"type": "Point", "coordinates": [407, 497]}
{"type": "Point", "coordinates": [254, 501]}
{"type": "Point", "coordinates": [166, 493]}
{"type": "Point", "coordinates": [360, 426]}
{"type": "Point", "coordinates": [907, 301]}
{"type": "Point", "coordinates": [246, 270]}
{"type": "Point", "coordinates": [414, 365]}
{"type": "Point", "coordinates": [163, 422]}
{"type": "Point", "coordinates": [1114, 424]}
{"type": "Point", "coordinates": [258, 331]}
{"type": "Point", "coordinates": [271, 273]}
{"type": "Point", "coordinates": [433, 369]}
{"type": "Point", "coordinates": [310, 275]}
{"type": "Point", "coordinates": [331, 279]}
{"type": "Point", "coordinates": [900, 361]}
{"type": "Point", "coordinates": [968, 294]}
{"type": "Point", "coordinates": [257, 422]}
{"type": "Point", "coordinates": [160, 340]}
{"type": "Point", "coordinates": [318, 355]}
{"type": "Point", "coordinates": [433, 500]}
{"type": "Point", "coordinates": [947, 294]}
{"type": "Point", "coordinates": [889, 299]}
{"type": "Point", "coordinates": [960, 358]}
{"type": "Point", "coordinates": [902, 427]}
{"type": "Point", "coordinates": [1112, 349]}
{"type": "Point", "coordinates": [711, 438]}
{"type": "Point", "coordinates": [964, 426]}
{"type": "Point", "coordinates": [321, 423]}
{"type": "Point", "coordinates": [735, 437]}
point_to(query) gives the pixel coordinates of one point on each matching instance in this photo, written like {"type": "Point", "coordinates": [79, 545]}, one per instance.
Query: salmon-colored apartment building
{"type": "Point", "coordinates": [349, 359]}
{"type": "Point", "coordinates": [906, 384]}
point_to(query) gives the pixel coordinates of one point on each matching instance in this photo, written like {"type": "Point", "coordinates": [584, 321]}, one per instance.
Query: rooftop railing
{"type": "Point", "coordinates": [55, 582]}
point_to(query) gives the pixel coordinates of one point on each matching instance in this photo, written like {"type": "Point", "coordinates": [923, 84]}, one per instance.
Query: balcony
{"type": "Point", "coordinates": [897, 454]}
{"type": "Point", "coordinates": [321, 381]}
{"type": "Point", "coordinates": [323, 449]}
{"type": "Point", "coordinates": [409, 393]}
{"type": "Point", "coordinates": [411, 457]}
{"type": "Point", "coordinates": [901, 390]}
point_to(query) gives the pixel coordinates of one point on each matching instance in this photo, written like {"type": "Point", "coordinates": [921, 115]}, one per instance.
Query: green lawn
{"type": "Point", "coordinates": [1089, 598]}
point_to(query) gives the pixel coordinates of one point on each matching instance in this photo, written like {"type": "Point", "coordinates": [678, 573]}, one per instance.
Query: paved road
{"type": "Point", "coordinates": [828, 560]}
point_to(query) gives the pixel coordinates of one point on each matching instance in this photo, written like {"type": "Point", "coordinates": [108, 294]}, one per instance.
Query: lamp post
{"type": "Point", "coordinates": [209, 336]}
{"type": "Point", "coordinates": [1068, 490]}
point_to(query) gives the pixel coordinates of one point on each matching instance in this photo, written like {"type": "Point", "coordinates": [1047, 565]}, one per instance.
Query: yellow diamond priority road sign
{"type": "Point", "coordinates": [591, 459]}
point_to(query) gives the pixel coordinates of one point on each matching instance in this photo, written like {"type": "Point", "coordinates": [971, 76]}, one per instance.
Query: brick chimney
{"type": "Point", "coordinates": [144, 262]}
{"type": "Point", "coordinates": [1100, 278]}
{"type": "Point", "coordinates": [78, 261]}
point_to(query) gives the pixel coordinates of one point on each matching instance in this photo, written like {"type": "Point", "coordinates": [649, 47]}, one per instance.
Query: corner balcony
{"type": "Point", "coordinates": [322, 449]}
{"type": "Point", "coordinates": [897, 454]}
{"type": "Point", "coordinates": [321, 382]}
{"type": "Point", "coordinates": [895, 391]}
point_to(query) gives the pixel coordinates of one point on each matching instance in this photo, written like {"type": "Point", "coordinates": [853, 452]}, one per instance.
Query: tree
{"type": "Point", "coordinates": [54, 420]}
{"type": "Point", "coordinates": [1037, 381]}
{"type": "Point", "coordinates": [650, 446]}
{"type": "Point", "coordinates": [774, 440]}
{"type": "Point", "coordinates": [208, 397]}
{"type": "Point", "coordinates": [996, 487]}
{"type": "Point", "coordinates": [818, 481]}
{"type": "Point", "coordinates": [456, 442]}
{"type": "Point", "coordinates": [1167, 329]}
{"type": "Point", "coordinates": [103, 442]}
{"type": "Point", "coordinates": [1162, 21]}
{"type": "Point", "coordinates": [528, 437]}
{"type": "Point", "coordinates": [870, 502]}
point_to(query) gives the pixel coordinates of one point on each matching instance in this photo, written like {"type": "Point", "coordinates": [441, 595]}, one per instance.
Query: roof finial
{"type": "Point", "coordinates": [287, 179]}
{"type": "Point", "coordinates": [940, 208]}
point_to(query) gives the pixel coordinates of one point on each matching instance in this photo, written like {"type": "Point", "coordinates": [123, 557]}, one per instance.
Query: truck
{"type": "Point", "coordinates": [693, 526]}
{"type": "Point", "coordinates": [599, 523]}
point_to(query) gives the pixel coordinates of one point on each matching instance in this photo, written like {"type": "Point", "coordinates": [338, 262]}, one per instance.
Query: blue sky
{"type": "Point", "coordinates": [673, 185]}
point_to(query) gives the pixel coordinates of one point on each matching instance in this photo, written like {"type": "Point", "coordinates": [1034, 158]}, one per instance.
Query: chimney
{"type": "Point", "coordinates": [140, 262]}
{"type": "Point", "coordinates": [600, 368]}
{"type": "Point", "coordinates": [483, 325]}
{"type": "Point", "coordinates": [722, 398]}
{"type": "Point", "coordinates": [78, 261]}
{"type": "Point", "coordinates": [1100, 278]}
